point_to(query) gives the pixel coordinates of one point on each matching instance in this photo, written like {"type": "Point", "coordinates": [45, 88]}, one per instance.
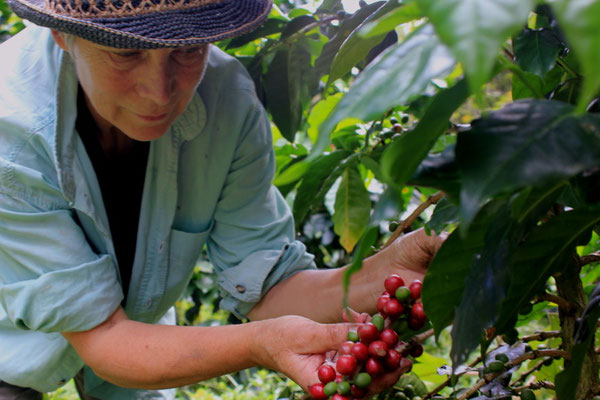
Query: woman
{"type": "Point", "coordinates": [127, 142]}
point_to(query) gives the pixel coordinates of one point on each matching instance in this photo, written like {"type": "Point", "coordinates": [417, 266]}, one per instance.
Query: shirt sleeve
{"type": "Point", "coordinates": [252, 244]}
{"type": "Point", "coordinates": [50, 279]}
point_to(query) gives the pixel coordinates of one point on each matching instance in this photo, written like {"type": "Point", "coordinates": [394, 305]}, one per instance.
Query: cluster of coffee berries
{"type": "Point", "coordinates": [375, 346]}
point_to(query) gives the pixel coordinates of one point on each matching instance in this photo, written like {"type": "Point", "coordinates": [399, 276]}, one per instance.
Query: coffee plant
{"type": "Point", "coordinates": [474, 117]}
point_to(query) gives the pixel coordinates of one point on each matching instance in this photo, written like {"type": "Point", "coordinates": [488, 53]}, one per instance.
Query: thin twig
{"type": "Point", "coordinates": [513, 363]}
{"type": "Point", "coordinates": [562, 303]}
{"type": "Point", "coordinates": [589, 258]}
{"type": "Point", "coordinates": [539, 336]}
{"type": "Point", "coordinates": [536, 385]}
{"type": "Point", "coordinates": [433, 199]}
{"type": "Point", "coordinates": [530, 371]}
{"type": "Point", "coordinates": [447, 381]}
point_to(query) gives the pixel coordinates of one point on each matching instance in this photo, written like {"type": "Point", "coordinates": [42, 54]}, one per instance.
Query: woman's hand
{"type": "Point", "coordinates": [296, 346]}
{"type": "Point", "coordinates": [410, 254]}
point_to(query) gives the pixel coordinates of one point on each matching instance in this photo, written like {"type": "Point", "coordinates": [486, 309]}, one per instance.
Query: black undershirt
{"type": "Point", "coordinates": [121, 178]}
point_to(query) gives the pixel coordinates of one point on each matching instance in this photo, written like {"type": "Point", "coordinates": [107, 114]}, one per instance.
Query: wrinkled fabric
{"type": "Point", "coordinates": [207, 184]}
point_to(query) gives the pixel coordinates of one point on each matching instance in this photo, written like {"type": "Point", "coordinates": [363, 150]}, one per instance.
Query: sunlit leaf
{"type": "Point", "coordinates": [401, 15]}
{"type": "Point", "coordinates": [399, 73]}
{"type": "Point", "coordinates": [475, 29]}
{"type": "Point", "coordinates": [352, 208]}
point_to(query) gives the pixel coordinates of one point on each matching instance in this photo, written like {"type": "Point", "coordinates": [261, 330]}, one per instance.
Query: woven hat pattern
{"type": "Point", "coordinates": [146, 24]}
{"type": "Point", "coordinates": [119, 8]}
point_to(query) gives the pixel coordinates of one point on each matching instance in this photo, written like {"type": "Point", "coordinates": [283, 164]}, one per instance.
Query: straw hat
{"type": "Point", "coordinates": [146, 24]}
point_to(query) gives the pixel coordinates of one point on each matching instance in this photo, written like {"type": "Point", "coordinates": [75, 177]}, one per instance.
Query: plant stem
{"type": "Point", "coordinates": [433, 199]}
{"type": "Point", "coordinates": [569, 287]}
{"type": "Point", "coordinates": [513, 363]}
{"type": "Point", "coordinates": [589, 258]}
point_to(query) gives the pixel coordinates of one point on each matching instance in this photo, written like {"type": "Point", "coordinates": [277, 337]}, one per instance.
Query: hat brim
{"type": "Point", "coordinates": [172, 28]}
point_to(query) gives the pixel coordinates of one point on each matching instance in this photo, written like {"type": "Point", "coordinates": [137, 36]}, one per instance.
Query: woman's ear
{"type": "Point", "coordinates": [59, 38]}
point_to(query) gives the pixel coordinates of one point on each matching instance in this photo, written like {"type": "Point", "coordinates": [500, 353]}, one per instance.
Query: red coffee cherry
{"type": "Point", "coordinates": [338, 377]}
{"type": "Point", "coordinates": [316, 392]}
{"type": "Point", "coordinates": [416, 324]}
{"type": "Point", "coordinates": [389, 337]}
{"type": "Point", "coordinates": [417, 312]}
{"type": "Point", "coordinates": [374, 367]}
{"type": "Point", "coordinates": [381, 302]}
{"type": "Point", "coordinates": [378, 349]}
{"type": "Point", "coordinates": [393, 308]}
{"type": "Point", "coordinates": [346, 365]}
{"type": "Point", "coordinates": [367, 333]}
{"type": "Point", "coordinates": [326, 373]}
{"type": "Point", "coordinates": [360, 351]}
{"type": "Point", "coordinates": [392, 283]}
{"type": "Point", "coordinates": [358, 393]}
{"type": "Point", "coordinates": [346, 347]}
{"type": "Point", "coordinates": [392, 360]}
{"type": "Point", "coordinates": [416, 351]}
{"type": "Point", "coordinates": [415, 289]}
{"type": "Point", "coordinates": [338, 396]}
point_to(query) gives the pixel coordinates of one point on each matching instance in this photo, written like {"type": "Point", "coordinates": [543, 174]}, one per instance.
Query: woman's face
{"type": "Point", "coordinates": [139, 92]}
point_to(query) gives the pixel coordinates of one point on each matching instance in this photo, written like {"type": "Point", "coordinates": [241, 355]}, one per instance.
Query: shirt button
{"type": "Point", "coordinates": [148, 303]}
{"type": "Point", "coordinates": [240, 288]}
{"type": "Point", "coordinates": [161, 246]}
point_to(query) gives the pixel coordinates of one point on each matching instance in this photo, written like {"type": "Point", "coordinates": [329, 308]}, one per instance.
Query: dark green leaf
{"type": "Point", "coordinates": [352, 208]}
{"type": "Point", "coordinates": [407, 68]}
{"type": "Point", "coordinates": [439, 171]}
{"type": "Point", "coordinates": [445, 279]}
{"type": "Point", "coordinates": [527, 85]}
{"type": "Point", "coordinates": [537, 257]}
{"type": "Point", "coordinates": [402, 157]}
{"type": "Point", "coordinates": [445, 213]}
{"type": "Point", "coordinates": [270, 27]}
{"type": "Point", "coordinates": [475, 29]}
{"type": "Point", "coordinates": [283, 85]}
{"type": "Point", "coordinates": [523, 144]}
{"type": "Point", "coordinates": [536, 50]}
{"type": "Point", "coordinates": [580, 20]}
{"type": "Point", "coordinates": [318, 172]}
{"type": "Point", "coordinates": [355, 47]}
{"type": "Point", "coordinates": [323, 63]}
{"type": "Point", "coordinates": [296, 24]}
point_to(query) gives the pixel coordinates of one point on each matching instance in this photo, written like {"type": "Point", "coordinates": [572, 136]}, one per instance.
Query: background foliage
{"type": "Point", "coordinates": [478, 117]}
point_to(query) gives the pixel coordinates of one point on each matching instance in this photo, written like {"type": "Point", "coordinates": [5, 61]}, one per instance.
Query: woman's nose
{"type": "Point", "coordinates": [157, 81]}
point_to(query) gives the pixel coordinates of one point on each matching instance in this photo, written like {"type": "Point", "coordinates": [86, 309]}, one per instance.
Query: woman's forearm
{"type": "Point", "coordinates": [133, 354]}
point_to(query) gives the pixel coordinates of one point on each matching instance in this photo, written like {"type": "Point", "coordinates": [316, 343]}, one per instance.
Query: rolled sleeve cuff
{"type": "Point", "coordinates": [244, 285]}
{"type": "Point", "coordinates": [69, 300]}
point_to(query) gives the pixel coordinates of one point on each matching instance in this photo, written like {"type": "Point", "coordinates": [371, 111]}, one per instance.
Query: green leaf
{"type": "Point", "coordinates": [439, 171]}
{"type": "Point", "coordinates": [269, 27]}
{"type": "Point", "coordinates": [444, 213]}
{"type": "Point", "coordinates": [401, 158]}
{"type": "Point", "coordinates": [401, 15]}
{"type": "Point", "coordinates": [355, 47]}
{"type": "Point", "coordinates": [291, 174]}
{"type": "Point", "coordinates": [526, 85]}
{"type": "Point", "coordinates": [319, 113]}
{"type": "Point", "coordinates": [525, 143]}
{"type": "Point", "coordinates": [331, 48]}
{"type": "Point", "coordinates": [444, 282]}
{"type": "Point", "coordinates": [363, 248]}
{"type": "Point", "coordinates": [536, 258]}
{"type": "Point", "coordinates": [407, 68]}
{"type": "Point", "coordinates": [579, 19]}
{"type": "Point", "coordinates": [352, 208]}
{"type": "Point", "coordinates": [536, 50]}
{"type": "Point", "coordinates": [313, 181]}
{"type": "Point", "coordinates": [284, 85]}
{"type": "Point", "coordinates": [475, 29]}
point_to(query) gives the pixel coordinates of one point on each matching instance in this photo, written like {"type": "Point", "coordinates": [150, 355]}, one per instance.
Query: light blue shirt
{"type": "Point", "coordinates": [207, 182]}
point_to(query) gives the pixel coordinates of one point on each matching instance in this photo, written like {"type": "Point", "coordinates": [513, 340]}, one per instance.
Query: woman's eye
{"type": "Point", "coordinates": [126, 55]}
